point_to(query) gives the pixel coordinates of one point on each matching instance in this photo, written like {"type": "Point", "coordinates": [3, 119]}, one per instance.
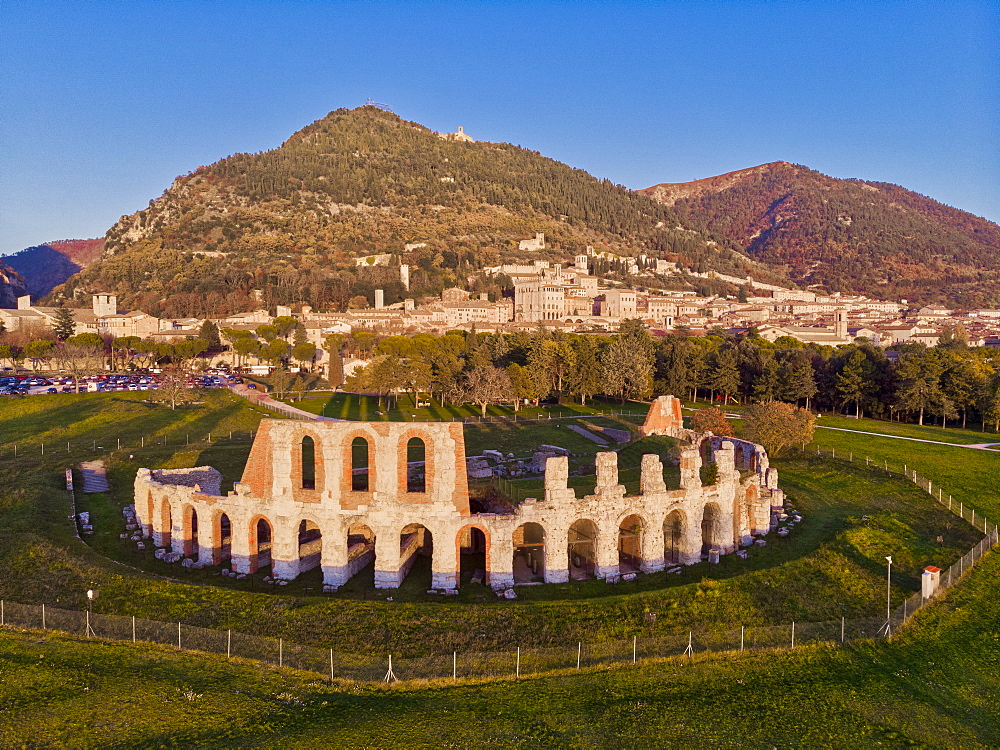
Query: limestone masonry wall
{"type": "Point", "coordinates": [338, 494]}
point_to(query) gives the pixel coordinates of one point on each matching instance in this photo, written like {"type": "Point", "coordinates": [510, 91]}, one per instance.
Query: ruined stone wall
{"type": "Point", "coordinates": [558, 535]}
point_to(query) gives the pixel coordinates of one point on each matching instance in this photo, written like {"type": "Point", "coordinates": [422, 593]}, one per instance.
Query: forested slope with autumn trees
{"type": "Point", "coordinates": [846, 235]}
{"type": "Point", "coordinates": [289, 222]}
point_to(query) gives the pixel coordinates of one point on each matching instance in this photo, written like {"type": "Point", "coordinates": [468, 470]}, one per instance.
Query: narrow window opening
{"type": "Point", "coordinates": [308, 463]}
{"type": "Point", "coordinates": [359, 465]}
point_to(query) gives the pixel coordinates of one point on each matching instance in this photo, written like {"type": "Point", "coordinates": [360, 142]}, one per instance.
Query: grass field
{"type": "Point", "coordinates": [830, 567]}
{"type": "Point", "coordinates": [938, 684]}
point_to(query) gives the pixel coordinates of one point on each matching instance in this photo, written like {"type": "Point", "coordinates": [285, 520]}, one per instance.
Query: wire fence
{"type": "Point", "coordinates": [81, 450]}
{"type": "Point", "coordinates": [524, 661]}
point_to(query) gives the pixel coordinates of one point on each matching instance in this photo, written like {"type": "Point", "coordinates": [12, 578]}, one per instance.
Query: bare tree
{"type": "Point", "coordinates": [487, 385]}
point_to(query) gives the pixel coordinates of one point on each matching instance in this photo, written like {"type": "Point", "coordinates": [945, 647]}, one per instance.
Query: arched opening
{"type": "Point", "coordinates": [630, 545]}
{"type": "Point", "coordinates": [529, 553]}
{"type": "Point", "coordinates": [308, 463]}
{"type": "Point", "coordinates": [673, 530]}
{"type": "Point", "coordinates": [710, 531]}
{"type": "Point", "coordinates": [706, 452]}
{"type": "Point", "coordinates": [582, 549]}
{"type": "Point", "coordinates": [262, 548]}
{"type": "Point", "coordinates": [359, 465]}
{"type": "Point", "coordinates": [416, 552]}
{"type": "Point", "coordinates": [190, 531]}
{"type": "Point", "coordinates": [473, 556]}
{"type": "Point", "coordinates": [361, 555]}
{"type": "Point", "coordinates": [416, 466]}
{"type": "Point", "coordinates": [739, 457]}
{"type": "Point", "coordinates": [310, 546]}
{"type": "Point", "coordinates": [166, 526]}
{"type": "Point", "coordinates": [225, 538]}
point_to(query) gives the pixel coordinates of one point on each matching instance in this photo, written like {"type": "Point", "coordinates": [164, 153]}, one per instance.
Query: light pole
{"type": "Point", "coordinates": [888, 597]}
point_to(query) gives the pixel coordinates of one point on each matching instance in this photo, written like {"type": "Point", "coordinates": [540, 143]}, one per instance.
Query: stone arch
{"type": "Point", "coordinates": [529, 552]}
{"type": "Point", "coordinates": [582, 548]}
{"type": "Point", "coordinates": [416, 465]}
{"type": "Point", "coordinates": [360, 472]}
{"type": "Point", "coordinates": [261, 539]}
{"type": "Point", "coordinates": [673, 536]}
{"type": "Point", "coordinates": [360, 549]}
{"type": "Point", "coordinates": [189, 531]}
{"type": "Point", "coordinates": [472, 548]}
{"type": "Point", "coordinates": [403, 453]}
{"type": "Point", "coordinates": [711, 533]}
{"type": "Point", "coordinates": [310, 545]}
{"type": "Point", "coordinates": [222, 538]}
{"type": "Point", "coordinates": [415, 541]}
{"type": "Point", "coordinates": [630, 542]}
{"type": "Point", "coordinates": [164, 536]}
{"type": "Point", "coordinates": [307, 462]}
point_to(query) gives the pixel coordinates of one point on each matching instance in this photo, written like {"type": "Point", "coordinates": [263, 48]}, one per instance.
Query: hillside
{"type": "Point", "coordinates": [287, 225]}
{"type": "Point", "coordinates": [44, 267]}
{"type": "Point", "coordinates": [11, 286]}
{"type": "Point", "coordinates": [849, 235]}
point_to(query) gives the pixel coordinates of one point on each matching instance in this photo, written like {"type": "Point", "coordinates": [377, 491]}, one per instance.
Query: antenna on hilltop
{"type": "Point", "coordinates": [369, 102]}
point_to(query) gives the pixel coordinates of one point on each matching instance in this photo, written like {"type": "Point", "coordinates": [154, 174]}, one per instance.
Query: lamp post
{"type": "Point", "coordinates": [888, 597]}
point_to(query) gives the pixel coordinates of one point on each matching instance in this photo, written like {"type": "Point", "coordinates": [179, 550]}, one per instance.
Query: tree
{"type": "Point", "coordinates": [210, 333]}
{"type": "Point", "coordinates": [64, 325]}
{"type": "Point", "coordinates": [284, 325]}
{"type": "Point", "coordinates": [585, 378]}
{"type": "Point", "coordinates": [854, 381]}
{"type": "Point", "coordinates": [767, 385]}
{"type": "Point", "coordinates": [712, 420]}
{"type": "Point", "coordinates": [174, 386]}
{"type": "Point", "coordinates": [799, 382]}
{"type": "Point", "coordinates": [122, 349]}
{"type": "Point", "coordinates": [487, 385]}
{"type": "Point", "coordinates": [725, 376]}
{"type": "Point", "coordinates": [304, 353]}
{"type": "Point", "coordinates": [776, 425]}
{"type": "Point", "coordinates": [920, 381]}
{"type": "Point", "coordinates": [275, 351]}
{"type": "Point", "coordinates": [79, 360]}
{"type": "Point", "coordinates": [245, 346]}
{"type": "Point", "coordinates": [187, 350]}
{"type": "Point", "coordinates": [39, 350]}
{"type": "Point", "coordinates": [626, 370]}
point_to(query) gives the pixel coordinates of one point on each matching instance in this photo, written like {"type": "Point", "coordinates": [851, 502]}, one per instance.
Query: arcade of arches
{"type": "Point", "coordinates": [342, 495]}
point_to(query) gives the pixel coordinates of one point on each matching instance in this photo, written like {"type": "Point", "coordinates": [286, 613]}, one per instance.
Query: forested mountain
{"type": "Point", "coordinates": [11, 286]}
{"type": "Point", "coordinates": [44, 267]}
{"type": "Point", "coordinates": [287, 225]}
{"type": "Point", "coordinates": [849, 235]}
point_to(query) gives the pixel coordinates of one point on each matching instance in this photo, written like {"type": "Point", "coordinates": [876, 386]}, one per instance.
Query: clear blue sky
{"type": "Point", "coordinates": [102, 104]}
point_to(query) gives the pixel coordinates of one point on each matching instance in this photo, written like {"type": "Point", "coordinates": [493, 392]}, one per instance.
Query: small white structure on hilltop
{"type": "Point", "coordinates": [460, 136]}
{"type": "Point", "coordinates": [342, 495]}
{"type": "Point", "coordinates": [538, 243]}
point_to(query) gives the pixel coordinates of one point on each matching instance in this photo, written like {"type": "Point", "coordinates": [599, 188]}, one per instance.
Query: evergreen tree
{"type": "Point", "coordinates": [854, 380]}
{"type": "Point", "coordinates": [210, 333]}
{"type": "Point", "coordinates": [65, 325]}
{"type": "Point", "coordinates": [725, 376]}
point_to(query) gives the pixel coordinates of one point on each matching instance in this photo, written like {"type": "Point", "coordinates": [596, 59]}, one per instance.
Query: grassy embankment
{"type": "Point", "coordinates": [830, 567]}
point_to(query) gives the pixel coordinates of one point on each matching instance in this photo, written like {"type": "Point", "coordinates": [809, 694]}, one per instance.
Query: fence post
{"type": "Point", "coordinates": [579, 649]}
{"type": "Point", "coordinates": [133, 628]}
{"type": "Point", "coordinates": [43, 618]}
{"type": "Point", "coordinates": [842, 623]}
{"type": "Point", "coordinates": [331, 665]}
{"type": "Point", "coordinates": [742, 639]}
{"type": "Point", "coordinates": [281, 652]}
{"type": "Point", "coordinates": [517, 666]}
{"type": "Point", "coordinates": [178, 635]}
{"type": "Point", "coordinates": [793, 633]}
{"type": "Point", "coordinates": [454, 665]}
{"type": "Point", "coordinates": [635, 640]}
{"type": "Point", "coordinates": [1, 613]}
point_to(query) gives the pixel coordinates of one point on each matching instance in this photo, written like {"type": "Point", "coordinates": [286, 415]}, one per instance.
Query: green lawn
{"type": "Point", "coordinates": [936, 685]}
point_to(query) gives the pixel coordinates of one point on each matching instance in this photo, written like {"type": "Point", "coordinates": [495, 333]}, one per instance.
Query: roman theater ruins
{"type": "Point", "coordinates": [339, 495]}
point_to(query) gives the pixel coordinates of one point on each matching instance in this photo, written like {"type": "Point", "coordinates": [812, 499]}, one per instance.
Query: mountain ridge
{"type": "Point", "coordinates": [849, 235]}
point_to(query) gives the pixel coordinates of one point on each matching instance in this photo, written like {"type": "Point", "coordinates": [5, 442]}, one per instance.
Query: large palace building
{"type": "Point", "coordinates": [341, 495]}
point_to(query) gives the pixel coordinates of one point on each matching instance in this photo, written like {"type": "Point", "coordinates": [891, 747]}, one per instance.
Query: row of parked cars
{"type": "Point", "coordinates": [35, 384]}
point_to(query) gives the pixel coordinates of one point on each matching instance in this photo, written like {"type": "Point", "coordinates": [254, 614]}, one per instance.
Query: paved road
{"type": "Point", "coordinates": [977, 446]}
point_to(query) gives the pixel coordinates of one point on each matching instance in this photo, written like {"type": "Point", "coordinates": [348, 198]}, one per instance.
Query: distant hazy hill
{"type": "Point", "coordinates": [871, 237]}
{"type": "Point", "coordinates": [45, 267]}
{"type": "Point", "coordinates": [289, 222]}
